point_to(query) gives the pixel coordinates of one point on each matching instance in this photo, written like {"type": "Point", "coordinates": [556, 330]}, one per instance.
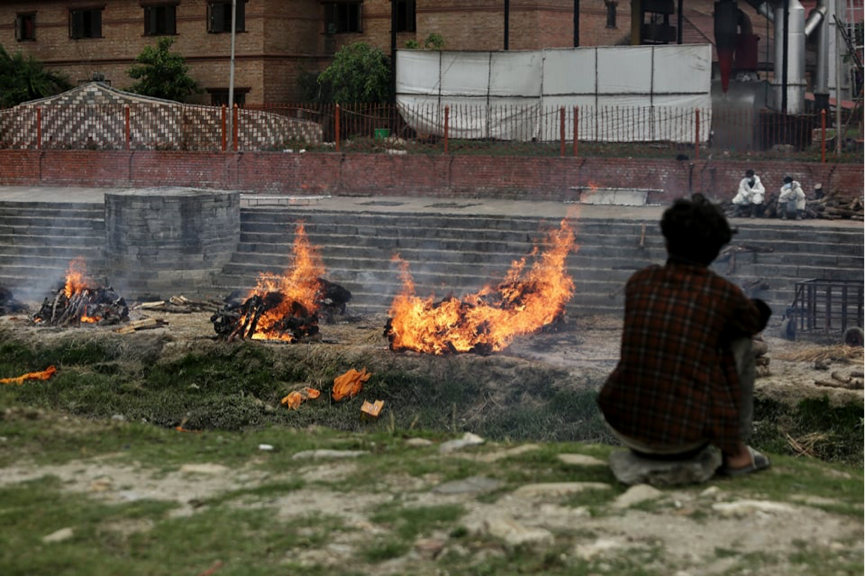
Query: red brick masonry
{"type": "Point", "coordinates": [379, 174]}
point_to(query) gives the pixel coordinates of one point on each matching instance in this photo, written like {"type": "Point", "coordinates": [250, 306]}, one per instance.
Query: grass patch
{"type": "Point", "coordinates": [827, 432]}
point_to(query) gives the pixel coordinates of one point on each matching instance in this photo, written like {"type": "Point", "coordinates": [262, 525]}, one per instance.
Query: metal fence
{"type": "Point", "coordinates": [528, 130]}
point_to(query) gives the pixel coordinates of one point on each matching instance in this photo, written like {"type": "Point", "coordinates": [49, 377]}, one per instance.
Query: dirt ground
{"type": "Point", "coordinates": [587, 346]}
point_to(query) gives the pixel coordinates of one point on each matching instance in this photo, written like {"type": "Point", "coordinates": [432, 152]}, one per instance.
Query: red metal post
{"type": "Point", "coordinates": [562, 131]}
{"type": "Point", "coordinates": [224, 135]}
{"type": "Point", "coordinates": [823, 136]}
{"type": "Point", "coordinates": [576, 127]}
{"type": "Point", "coordinates": [126, 114]}
{"type": "Point", "coordinates": [38, 127]}
{"type": "Point", "coordinates": [447, 123]}
{"type": "Point", "coordinates": [337, 127]}
{"type": "Point", "coordinates": [234, 127]}
{"type": "Point", "coordinates": [697, 133]}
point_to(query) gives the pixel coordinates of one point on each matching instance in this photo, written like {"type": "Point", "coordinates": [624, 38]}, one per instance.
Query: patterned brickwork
{"type": "Point", "coordinates": [94, 116]}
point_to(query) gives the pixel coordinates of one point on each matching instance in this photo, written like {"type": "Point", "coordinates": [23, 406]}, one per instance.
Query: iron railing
{"type": "Point", "coordinates": [433, 128]}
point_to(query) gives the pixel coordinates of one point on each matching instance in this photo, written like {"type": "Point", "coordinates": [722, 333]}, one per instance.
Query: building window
{"type": "Point", "coordinates": [219, 16]}
{"type": "Point", "coordinates": [611, 12]}
{"type": "Point", "coordinates": [160, 20]}
{"type": "Point", "coordinates": [25, 27]}
{"type": "Point", "coordinates": [219, 96]}
{"type": "Point", "coordinates": [342, 17]}
{"type": "Point", "coordinates": [85, 23]}
{"type": "Point", "coordinates": [405, 16]}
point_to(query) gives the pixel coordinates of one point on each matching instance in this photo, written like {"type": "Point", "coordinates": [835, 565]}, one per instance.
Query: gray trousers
{"type": "Point", "coordinates": [746, 367]}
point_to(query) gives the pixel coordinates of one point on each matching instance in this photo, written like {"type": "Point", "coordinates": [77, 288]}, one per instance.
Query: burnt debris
{"type": "Point", "coordinates": [8, 304]}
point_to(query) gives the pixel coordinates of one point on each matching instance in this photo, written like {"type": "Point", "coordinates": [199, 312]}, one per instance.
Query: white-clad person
{"type": "Point", "coordinates": [749, 199]}
{"type": "Point", "coordinates": [791, 202]}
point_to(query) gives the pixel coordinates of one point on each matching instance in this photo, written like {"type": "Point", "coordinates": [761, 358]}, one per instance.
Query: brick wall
{"type": "Point", "coordinates": [423, 175]}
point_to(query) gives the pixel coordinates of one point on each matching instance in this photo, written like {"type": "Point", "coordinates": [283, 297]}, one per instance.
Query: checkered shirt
{"type": "Point", "coordinates": [676, 381]}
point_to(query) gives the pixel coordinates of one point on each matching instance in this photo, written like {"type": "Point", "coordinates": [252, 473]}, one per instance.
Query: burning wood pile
{"type": "Point", "coordinates": [527, 300]}
{"type": "Point", "coordinates": [287, 307]}
{"type": "Point", "coordinates": [79, 302]}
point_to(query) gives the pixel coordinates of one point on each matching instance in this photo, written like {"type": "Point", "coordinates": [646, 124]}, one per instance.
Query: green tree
{"type": "Point", "coordinates": [161, 73]}
{"type": "Point", "coordinates": [23, 79]}
{"type": "Point", "coordinates": [359, 74]}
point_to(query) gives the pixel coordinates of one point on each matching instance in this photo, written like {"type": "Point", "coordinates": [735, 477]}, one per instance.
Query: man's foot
{"type": "Point", "coordinates": [759, 461]}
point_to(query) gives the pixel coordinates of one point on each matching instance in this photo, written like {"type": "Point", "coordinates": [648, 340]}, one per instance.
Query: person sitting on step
{"type": "Point", "coordinates": [791, 201]}
{"type": "Point", "coordinates": [749, 198]}
{"type": "Point", "coordinates": [686, 373]}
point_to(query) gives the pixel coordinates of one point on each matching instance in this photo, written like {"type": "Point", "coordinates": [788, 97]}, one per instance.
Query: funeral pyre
{"type": "Point", "coordinates": [527, 300]}
{"type": "Point", "coordinates": [285, 307]}
{"type": "Point", "coordinates": [78, 301]}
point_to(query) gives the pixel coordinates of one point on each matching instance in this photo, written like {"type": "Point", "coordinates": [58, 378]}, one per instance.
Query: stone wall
{"type": "Point", "coordinates": [161, 239]}
{"type": "Point", "coordinates": [407, 175]}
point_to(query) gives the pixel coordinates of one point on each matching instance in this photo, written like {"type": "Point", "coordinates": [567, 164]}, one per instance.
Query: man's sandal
{"type": "Point", "coordinates": [759, 461]}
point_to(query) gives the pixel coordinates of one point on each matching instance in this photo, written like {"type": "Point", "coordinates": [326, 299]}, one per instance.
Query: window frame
{"type": "Point", "coordinates": [225, 17]}
{"type": "Point", "coordinates": [95, 25]}
{"type": "Point", "coordinates": [409, 17]}
{"type": "Point", "coordinates": [332, 18]}
{"type": "Point", "coordinates": [150, 19]}
{"type": "Point", "coordinates": [240, 93]}
{"type": "Point", "coordinates": [20, 18]}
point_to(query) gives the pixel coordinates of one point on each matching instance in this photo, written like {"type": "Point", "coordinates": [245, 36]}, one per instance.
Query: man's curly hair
{"type": "Point", "coordinates": [695, 229]}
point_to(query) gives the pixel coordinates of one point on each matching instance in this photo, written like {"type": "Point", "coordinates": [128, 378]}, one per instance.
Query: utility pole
{"type": "Point", "coordinates": [393, 23]}
{"type": "Point", "coordinates": [839, 5]}
{"type": "Point", "coordinates": [231, 69]}
{"type": "Point", "coordinates": [785, 56]}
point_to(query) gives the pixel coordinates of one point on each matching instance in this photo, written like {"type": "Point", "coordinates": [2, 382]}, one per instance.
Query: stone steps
{"type": "Point", "coordinates": [447, 254]}
{"type": "Point", "coordinates": [38, 240]}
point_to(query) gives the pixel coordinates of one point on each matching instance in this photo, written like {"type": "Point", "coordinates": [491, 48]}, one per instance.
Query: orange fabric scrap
{"type": "Point", "coordinates": [37, 376]}
{"type": "Point", "coordinates": [293, 399]}
{"type": "Point", "coordinates": [349, 384]}
{"type": "Point", "coordinates": [372, 409]}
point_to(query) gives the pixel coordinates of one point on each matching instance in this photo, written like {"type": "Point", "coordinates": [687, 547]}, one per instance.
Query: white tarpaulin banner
{"type": "Point", "coordinates": [624, 93]}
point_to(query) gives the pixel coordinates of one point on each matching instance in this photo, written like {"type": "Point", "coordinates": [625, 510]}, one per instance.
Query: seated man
{"type": "Point", "coordinates": [676, 388]}
{"type": "Point", "coordinates": [749, 198]}
{"type": "Point", "coordinates": [791, 201]}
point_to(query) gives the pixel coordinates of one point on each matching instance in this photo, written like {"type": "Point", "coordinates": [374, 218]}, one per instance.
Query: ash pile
{"type": "Point", "coordinates": [8, 304]}
{"type": "Point", "coordinates": [275, 316]}
{"type": "Point", "coordinates": [100, 305]}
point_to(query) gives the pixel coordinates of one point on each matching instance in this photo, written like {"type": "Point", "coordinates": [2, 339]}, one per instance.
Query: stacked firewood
{"type": "Point", "coordinates": [832, 207]}
{"type": "Point", "coordinates": [88, 305]}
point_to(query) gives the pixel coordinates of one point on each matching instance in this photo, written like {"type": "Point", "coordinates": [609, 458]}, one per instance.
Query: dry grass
{"type": "Point", "coordinates": [815, 353]}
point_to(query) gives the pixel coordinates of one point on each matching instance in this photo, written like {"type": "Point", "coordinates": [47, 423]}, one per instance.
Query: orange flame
{"type": "Point", "coordinates": [525, 301]}
{"type": "Point", "coordinates": [78, 281]}
{"type": "Point", "coordinates": [76, 277]}
{"type": "Point", "coordinates": [300, 284]}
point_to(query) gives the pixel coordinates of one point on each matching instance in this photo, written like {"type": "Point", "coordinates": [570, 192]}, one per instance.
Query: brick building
{"type": "Point", "coordinates": [279, 41]}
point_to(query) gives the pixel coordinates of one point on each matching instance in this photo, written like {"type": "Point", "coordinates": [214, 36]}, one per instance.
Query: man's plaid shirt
{"type": "Point", "coordinates": [676, 380]}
